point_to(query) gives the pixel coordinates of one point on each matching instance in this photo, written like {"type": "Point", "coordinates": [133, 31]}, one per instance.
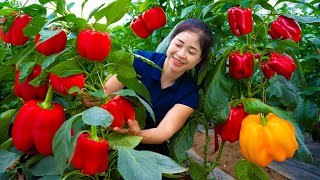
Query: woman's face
{"type": "Point", "coordinates": [184, 51]}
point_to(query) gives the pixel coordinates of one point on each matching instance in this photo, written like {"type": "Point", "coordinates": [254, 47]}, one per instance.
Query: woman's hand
{"type": "Point", "coordinates": [88, 100]}
{"type": "Point", "coordinates": [133, 130]}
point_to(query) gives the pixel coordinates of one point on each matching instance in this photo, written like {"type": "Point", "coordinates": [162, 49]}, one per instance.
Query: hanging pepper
{"type": "Point", "coordinates": [263, 140]}
{"type": "Point", "coordinates": [154, 18]}
{"type": "Point", "coordinates": [230, 129]}
{"type": "Point", "coordinates": [284, 28]}
{"type": "Point", "coordinates": [266, 70]}
{"type": "Point", "coordinates": [240, 20]}
{"type": "Point", "coordinates": [26, 91]}
{"type": "Point", "coordinates": [94, 45]}
{"type": "Point", "coordinates": [282, 64]}
{"type": "Point", "coordinates": [90, 156]}
{"type": "Point", "coordinates": [240, 66]}
{"type": "Point", "coordinates": [15, 34]}
{"type": "Point", "coordinates": [63, 84]}
{"type": "Point", "coordinates": [53, 45]}
{"type": "Point", "coordinates": [140, 28]}
{"type": "Point", "coordinates": [121, 110]}
{"type": "Point", "coordinates": [36, 124]}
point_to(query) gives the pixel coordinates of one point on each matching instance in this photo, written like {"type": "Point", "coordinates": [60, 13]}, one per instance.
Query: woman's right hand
{"type": "Point", "coordinates": [88, 100]}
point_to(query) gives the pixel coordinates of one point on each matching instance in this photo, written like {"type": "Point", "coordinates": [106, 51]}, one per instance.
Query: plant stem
{"type": "Point", "coordinates": [216, 162]}
{"type": "Point", "coordinates": [46, 104]}
{"type": "Point", "coordinates": [93, 134]}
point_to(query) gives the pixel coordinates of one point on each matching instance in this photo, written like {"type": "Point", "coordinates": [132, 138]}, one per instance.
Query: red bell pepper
{"type": "Point", "coordinates": [230, 129]}
{"type": "Point", "coordinates": [140, 28]}
{"type": "Point", "coordinates": [94, 45]}
{"type": "Point", "coordinates": [266, 70]}
{"type": "Point", "coordinates": [26, 91]}
{"type": "Point", "coordinates": [282, 64]}
{"type": "Point", "coordinates": [53, 45]}
{"type": "Point", "coordinates": [121, 110]}
{"type": "Point", "coordinates": [284, 28]}
{"type": "Point", "coordinates": [90, 156]}
{"type": "Point", "coordinates": [15, 34]}
{"type": "Point", "coordinates": [240, 20]}
{"type": "Point", "coordinates": [36, 124]}
{"type": "Point", "coordinates": [154, 18]}
{"type": "Point", "coordinates": [63, 84]}
{"type": "Point", "coordinates": [240, 66]}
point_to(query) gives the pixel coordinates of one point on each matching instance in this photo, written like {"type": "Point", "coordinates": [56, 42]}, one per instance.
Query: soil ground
{"type": "Point", "coordinates": [230, 155]}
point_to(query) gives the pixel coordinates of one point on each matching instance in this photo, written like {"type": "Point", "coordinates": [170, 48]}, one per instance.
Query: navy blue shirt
{"type": "Point", "coordinates": [183, 91]}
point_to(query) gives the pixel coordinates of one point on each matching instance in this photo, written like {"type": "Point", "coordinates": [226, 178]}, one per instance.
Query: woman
{"type": "Point", "coordinates": [174, 94]}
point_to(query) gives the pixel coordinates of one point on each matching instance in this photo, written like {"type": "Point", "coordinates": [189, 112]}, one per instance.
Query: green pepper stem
{"type": "Point", "coordinates": [46, 104]}
{"type": "Point", "coordinates": [93, 134]}
{"type": "Point", "coordinates": [263, 120]}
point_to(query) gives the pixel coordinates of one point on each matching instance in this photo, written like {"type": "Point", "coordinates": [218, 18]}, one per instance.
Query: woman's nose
{"type": "Point", "coordinates": [181, 53]}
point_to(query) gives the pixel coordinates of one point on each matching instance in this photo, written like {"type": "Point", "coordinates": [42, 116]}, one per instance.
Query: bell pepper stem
{"type": "Point", "coordinates": [46, 104]}
{"type": "Point", "coordinates": [263, 120]}
{"type": "Point", "coordinates": [93, 133]}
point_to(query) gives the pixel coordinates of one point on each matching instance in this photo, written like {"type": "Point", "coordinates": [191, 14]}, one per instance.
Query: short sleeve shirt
{"type": "Point", "coordinates": [183, 91]}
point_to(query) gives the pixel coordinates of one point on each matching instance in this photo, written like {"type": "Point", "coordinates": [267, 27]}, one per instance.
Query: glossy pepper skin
{"type": "Point", "coordinates": [240, 66]}
{"type": "Point", "coordinates": [284, 28]}
{"type": "Point", "coordinates": [62, 85]}
{"type": "Point", "coordinates": [121, 110]}
{"type": "Point", "coordinates": [34, 127]}
{"type": "Point", "coordinates": [53, 45]}
{"type": "Point", "coordinates": [154, 18]}
{"type": "Point", "coordinates": [26, 91]}
{"type": "Point", "coordinates": [140, 28]}
{"type": "Point", "coordinates": [230, 129]}
{"type": "Point", "coordinates": [15, 34]}
{"type": "Point", "coordinates": [282, 64]}
{"type": "Point", "coordinates": [90, 157]}
{"type": "Point", "coordinates": [266, 70]}
{"type": "Point", "coordinates": [94, 45]}
{"type": "Point", "coordinates": [240, 20]}
{"type": "Point", "coordinates": [261, 144]}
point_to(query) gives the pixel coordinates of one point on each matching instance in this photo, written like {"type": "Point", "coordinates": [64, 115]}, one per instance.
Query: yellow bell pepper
{"type": "Point", "coordinates": [262, 143]}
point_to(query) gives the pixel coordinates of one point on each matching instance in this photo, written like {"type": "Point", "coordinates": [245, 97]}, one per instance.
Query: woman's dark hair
{"type": "Point", "coordinates": [206, 37]}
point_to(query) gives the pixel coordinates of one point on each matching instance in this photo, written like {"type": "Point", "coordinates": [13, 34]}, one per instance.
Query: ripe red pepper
{"type": "Point", "coordinates": [94, 45]}
{"type": "Point", "coordinates": [36, 124]}
{"type": "Point", "coordinates": [154, 18]}
{"type": "Point", "coordinates": [139, 27]}
{"type": "Point", "coordinates": [230, 129]}
{"type": "Point", "coordinates": [53, 45]}
{"type": "Point", "coordinates": [63, 84]}
{"type": "Point", "coordinates": [282, 64]}
{"type": "Point", "coordinates": [26, 91]}
{"type": "Point", "coordinates": [90, 156]}
{"type": "Point", "coordinates": [15, 34]}
{"type": "Point", "coordinates": [240, 66]}
{"type": "Point", "coordinates": [121, 110]}
{"type": "Point", "coordinates": [240, 20]}
{"type": "Point", "coordinates": [266, 70]}
{"type": "Point", "coordinates": [284, 28]}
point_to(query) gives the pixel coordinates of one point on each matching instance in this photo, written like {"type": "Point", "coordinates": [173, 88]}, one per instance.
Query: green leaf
{"type": "Point", "coordinates": [246, 170]}
{"type": "Point", "coordinates": [46, 166]}
{"type": "Point", "coordinates": [67, 68]}
{"type": "Point", "coordinates": [114, 11]}
{"type": "Point", "coordinates": [61, 6]}
{"type": "Point", "coordinates": [145, 165]}
{"type": "Point", "coordinates": [196, 170]}
{"type": "Point", "coordinates": [129, 92]}
{"type": "Point", "coordinates": [34, 26]}
{"type": "Point", "coordinates": [306, 114]}
{"type": "Point", "coordinates": [7, 158]}
{"type": "Point", "coordinates": [97, 116]}
{"type": "Point", "coordinates": [25, 70]}
{"type": "Point", "coordinates": [120, 63]}
{"type": "Point", "coordinates": [218, 90]}
{"type": "Point", "coordinates": [284, 90]}
{"type": "Point", "coordinates": [3, 53]}
{"type": "Point", "coordinates": [186, 11]}
{"type": "Point", "coordinates": [183, 141]}
{"type": "Point", "coordinates": [63, 144]}
{"type": "Point", "coordinates": [304, 19]}
{"type": "Point", "coordinates": [245, 3]}
{"type": "Point", "coordinates": [147, 61]}
{"type": "Point", "coordinates": [34, 10]}
{"type": "Point", "coordinates": [6, 72]}
{"type": "Point", "coordinates": [99, 94]}
{"type": "Point", "coordinates": [70, 5]}
{"type": "Point", "coordinates": [46, 34]}
{"type": "Point", "coordinates": [123, 140]}
{"type": "Point", "coordinates": [266, 5]}
{"type": "Point", "coordinates": [50, 178]}
{"type": "Point", "coordinates": [5, 120]}
{"type": "Point", "coordinates": [136, 85]}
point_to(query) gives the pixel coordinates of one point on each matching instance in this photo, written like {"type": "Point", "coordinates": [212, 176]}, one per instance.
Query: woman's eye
{"type": "Point", "coordinates": [178, 45]}
{"type": "Point", "coordinates": [192, 53]}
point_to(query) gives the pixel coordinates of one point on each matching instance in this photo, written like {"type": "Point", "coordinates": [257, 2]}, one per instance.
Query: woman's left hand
{"type": "Point", "coordinates": [133, 130]}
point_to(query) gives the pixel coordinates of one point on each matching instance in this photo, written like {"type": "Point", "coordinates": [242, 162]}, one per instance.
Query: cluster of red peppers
{"type": "Point", "coordinates": [121, 110]}
{"type": "Point", "coordinates": [145, 24]}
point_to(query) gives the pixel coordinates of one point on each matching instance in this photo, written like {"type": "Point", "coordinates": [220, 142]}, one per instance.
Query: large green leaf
{"type": "Point", "coordinates": [196, 170]}
{"type": "Point", "coordinates": [123, 140]}
{"type": "Point", "coordinates": [218, 90]}
{"type": "Point", "coordinates": [67, 68]}
{"type": "Point", "coordinates": [25, 70]}
{"type": "Point", "coordinates": [136, 85]}
{"type": "Point", "coordinates": [46, 166]}
{"type": "Point", "coordinates": [145, 165]}
{"type": "Point", "coordinates": [120, 63]}
{"type": "Point", "coordinates": [183, 141]}
{"type": "Point", "coordinates": [7, 158]}
{"type": "Point", "coordinates": [306, 114]}
{"type": "Point", "coordinates": [35, 10]}
{"type": "Point", "coordinates": [5, 120]}
{"type": "Point", "coordinates": [96, 116]}
{"type": "Point", "coordinates": [247, 170]}
{"type": "Point", "coordinates": [34, 26]}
